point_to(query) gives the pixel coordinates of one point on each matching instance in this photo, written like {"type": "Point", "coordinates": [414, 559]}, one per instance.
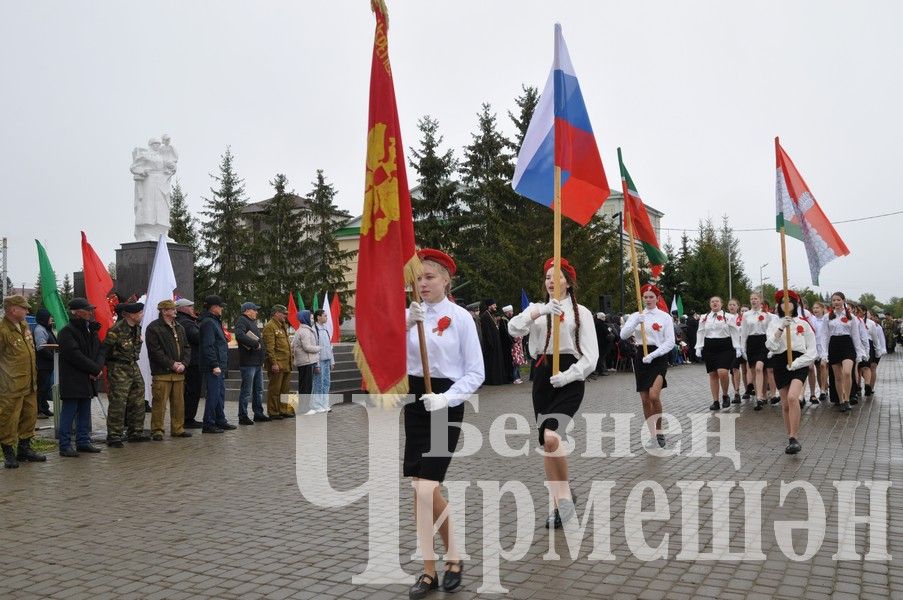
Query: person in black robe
{"type": "Point", "coordinates": [507, 345]}
{"type": "Point", "coordinates": [692, 328]}
{"type": "Point", "coordinates": [493, 361]}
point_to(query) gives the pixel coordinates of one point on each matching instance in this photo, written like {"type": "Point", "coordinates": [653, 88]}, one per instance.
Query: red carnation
{"type": "Point", "coordinates": [844, 320]}
{"type": "Point", "coordinates": [443, 324]}
{"type": "Point", "coordinates": [799, 330]}
{"type": "Point", "coordinates": [761, 317]}
{"type": "Point", "coordinates": [656, 327]}
{"type": "Point", "coordinates": [720, 318]}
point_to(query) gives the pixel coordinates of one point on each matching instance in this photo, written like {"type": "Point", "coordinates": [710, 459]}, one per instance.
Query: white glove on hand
{"type": "Point", "coordinates": [648, 359]}
{"type": "Point", "coordinates": [787, 322]}
{"type": "Point", "coordinates": [415, 314]}
{"type": "Point", "coordinates": [795, 365]}
{"type": "Point", "coordinates": [433, 402]}
{"type": "Point", "coordinates": [739, 353]}
{"type": "Point", "coordinates": [553, 307]}
{"type": "Point", "coordinates": [699, 353]}
{"type": "Point", "coordinates": [562, 379]}
{"type": "Point", "coordinates": [633, 321]}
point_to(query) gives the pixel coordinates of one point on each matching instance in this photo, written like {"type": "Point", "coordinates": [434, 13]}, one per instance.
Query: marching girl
{"type": "Point", "coordinates": [558, 395]}
{"type": "Point", "coordinates": [456, 372]}
{"type": "Point", "coordinates": [650, 370]}
{"type": "Point", "coordinates": [821, 367]}
{"type": "Point", "coordinates": [863, 372]}
{"type": "Point", "coordinates": [769, 373]}
{"type": "Point", "coordinates": [733, 309]}
{"type": "Point", "coordinates": [718, 344]}
{"type": "Point", "coordinates": [842, 347]}
{"type": "Point", "coordinates": [789, 380]}
{"type": "Point", "coordinates": [753, 328]}
{"type": "Point", "coordinates": [878, 349]}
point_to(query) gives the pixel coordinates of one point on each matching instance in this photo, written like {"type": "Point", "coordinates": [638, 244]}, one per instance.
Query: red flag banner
{"type": "Point", "coordinates": [98, 284]}
{"type": "Point", "coordinates": [293, 312]}
{"type": "Point", "coordinates": [387, 257]}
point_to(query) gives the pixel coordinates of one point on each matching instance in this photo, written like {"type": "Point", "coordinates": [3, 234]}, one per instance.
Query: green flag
{"type": "Point", "coordinates": [50, 295]}
{"type": "Point", "coordinates": [316, 304]}
{"type": "Point", "coordinates": [300, 301]}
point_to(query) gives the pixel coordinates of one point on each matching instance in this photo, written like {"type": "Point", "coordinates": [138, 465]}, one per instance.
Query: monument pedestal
{"type": "Point", "coordinates": [134, 261]}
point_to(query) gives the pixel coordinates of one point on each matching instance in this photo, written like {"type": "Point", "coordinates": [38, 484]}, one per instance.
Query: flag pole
{"type": "Point", "coordinates": [786, 302]}
{"type": "Point", "coordinates": [556, 269]}
{"type": "Point", "coordinates": [421, 336]}
{"type": "Point", "coordinates": [636, 275]}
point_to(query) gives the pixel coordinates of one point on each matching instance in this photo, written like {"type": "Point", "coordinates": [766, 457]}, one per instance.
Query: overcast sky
{"type": "Point", "coordinates": [694, 93]}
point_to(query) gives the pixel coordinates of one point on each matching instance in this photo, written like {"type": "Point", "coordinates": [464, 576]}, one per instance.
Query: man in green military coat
{"type": "Point", "coordinates": [121, 349]}
{"type": "Point", "coordinates": [278, 362]}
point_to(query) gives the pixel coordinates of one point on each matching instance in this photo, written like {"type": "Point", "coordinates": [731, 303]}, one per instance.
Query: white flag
{"type": "Point", "coordinates": [328, 324]}
{"type": "Point", "coordinates": [161, 287]}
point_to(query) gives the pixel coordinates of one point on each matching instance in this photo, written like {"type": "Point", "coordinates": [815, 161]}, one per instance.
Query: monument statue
{"type": "Point", "coordinates": [152, 169]}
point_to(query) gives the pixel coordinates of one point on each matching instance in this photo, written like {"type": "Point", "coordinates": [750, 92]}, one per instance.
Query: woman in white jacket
{"type": "Point", "coordinates": [305, 354]}
{"type": "Point", "coordinates": [789, 379]}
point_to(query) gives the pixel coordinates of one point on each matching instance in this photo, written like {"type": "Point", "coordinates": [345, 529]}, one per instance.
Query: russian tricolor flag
{"type": "Point", "coordinates": [560, 135]}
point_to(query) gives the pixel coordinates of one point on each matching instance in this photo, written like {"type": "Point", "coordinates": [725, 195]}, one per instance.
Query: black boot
{"type": "Point", "coordinates": [725, 401]}
{"type": "Point", "coordinates": [9, 457]}
{"type": "Point", "coordinates": [26, 454]}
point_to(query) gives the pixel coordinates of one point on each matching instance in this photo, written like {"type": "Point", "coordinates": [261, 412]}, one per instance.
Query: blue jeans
{"type": "Point", "coordinates": [251, 383]}
{"type": "Point", "coordinates": [215, 403]}
{"type": "Point", "coordinates": [320, 399]}
{"type": "Point", "coordinates": [72, 407]}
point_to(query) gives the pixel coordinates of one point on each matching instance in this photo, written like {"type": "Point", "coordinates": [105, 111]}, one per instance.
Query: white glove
{"type": "Point", "coordinates": [415, 315]}
{"type": "Point", "coordinates": [795, 365]}
{"type": "Point", "coordinates": [699, 353]}
{"type": "Point", "coordinates": [739, 353]}
{"type": "Point", "coordinates": [787, 322]}
{"type": "Point", "coordinates": [648, 359]}
{"type": "Point", "coordinates": [562, 379]}
{"type": "Point", "coordinates": [553, 307]}
{"type": "Point", "coordinates": [633, 321]}
{"type": "Point", "coordinates": [433, 402]}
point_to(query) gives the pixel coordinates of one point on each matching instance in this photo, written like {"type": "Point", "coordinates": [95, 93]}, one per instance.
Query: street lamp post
{"type": "Point", "coordinates": [620, 216]}
{"type": "Point", "coordinates": [761, 279]}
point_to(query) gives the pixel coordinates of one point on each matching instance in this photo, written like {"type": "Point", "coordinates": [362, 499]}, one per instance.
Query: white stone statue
{"type": "Point", "coordinates": [152, 169]}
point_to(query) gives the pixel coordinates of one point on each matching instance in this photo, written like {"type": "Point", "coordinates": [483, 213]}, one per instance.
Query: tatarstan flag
{"type": "Point", "coordinates": [635, 212]}
{"type": "Point", "coordinates": [387, 255]}
{"type": "Point", "coordinates": [801, 216]}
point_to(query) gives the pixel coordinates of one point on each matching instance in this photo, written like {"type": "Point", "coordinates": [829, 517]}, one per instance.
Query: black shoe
{"type": "Point", "coordinates": [775, 400]}
{"type": "Point", "coordinates": [802, 403]}
{"type": "Point", "coordinates": [261, 418]}
{"type": "Point", "coordinates": [747, 396]}
{"type": "Point", "coordinates": [759, 404]}
{"type": "Point", "coordinates": [844, 407]}
{"type": "Point", "coordinates": [660, 438]}
{"type": "Point", "coordinates": [725, 401]}
{"type": "Point", "coordinates": [147, 406]}
{"type": "Point", "coordinates": [715, 405]}
{"type": "Point", "coordinates": [554, 520]}
{"type": "Point", "coordinates": [813, 399]}
{"type": "Point", "coordinates": [139, 437]}
{"type": "Point", "coordinates": [157, 437]}
{"type": "Point", "coordinates": [114, 443]}
{"type": "Point", "coordinates": [193, 425]}
{"type": "Point", "coordinates": [184, 434]}
{"type": "Point", "coordinates": [89, 449]}
{"type": "Point", "coordinates": [211, 430]}
{"type": "Point", "coordinates": [822, 397]}
{"type": "Point", "coordinates": [736, 399]}
{"type": "Point", "coordinates": [26, 454]}
{"type": "Point", "coordinates": [226, 426]}
{"type": "Point", "coordinates": [750, 390]}
{"type": "Point", "coordinates": [245, 421]}
{"type": "Point", "coordinates": [288, 415]}
{"type": "Point", "coordinates": [793, 447]}
{"type": "Point", "coordinates": [869, 392]}
{"type": "Point", "coordinates": [68, 452]}
{"type": "Point", "coordinates": [854, 401]}
{"type": "Point", "coordinates": [9, 457]}
{"type": "Point", "coordinates": [275, 417]}
{"type": "Point", "coordinates": [425, 584]}
{"type": "Point", "coordinates": [451, 580]}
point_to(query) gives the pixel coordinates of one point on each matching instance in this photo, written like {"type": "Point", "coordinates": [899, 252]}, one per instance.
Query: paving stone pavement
{"type": "Point", "coordinates": [221, 516]}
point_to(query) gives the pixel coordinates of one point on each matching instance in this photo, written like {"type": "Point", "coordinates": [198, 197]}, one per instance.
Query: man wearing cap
{"type": "Point", "coordinates": [18, 385]}
{"type": "Point", "coordinates": [168, 352]}
{"type": "Point", "coordinates": [278, 361]}
{"type": "Point", "coordinates": [189, 322]}
{"type": "Point", "coordinates": [493, 360]}
{"type": "Point", "coordinates": [121, 349]}
{"type": "Point", "coordinates": [214, 363]}
{"type": "Point", "coordinates": [250, 363]}
{"type": "Point", "coordinates": [81, 364]}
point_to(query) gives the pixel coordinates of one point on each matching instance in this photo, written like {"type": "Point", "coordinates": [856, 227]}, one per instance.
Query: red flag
{"type": "Point", "coordinates": [334, 310]}
{"type": "Point", "coordinates": [293, 312]}
{"type": "Point", "coordinates": [98, 284]}
{"type": "Point", "coordinates": [387, 256]}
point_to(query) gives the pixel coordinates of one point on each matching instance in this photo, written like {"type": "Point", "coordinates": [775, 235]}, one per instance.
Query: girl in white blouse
{"type": "Point", "coordinates": [821, 366]}
{"type": "Point", "coordinates": [789, 379]}
{"type": "Point", "coordinates": [841, 347]}
{"type": "Point", "coordinates": [557, 396]}
{"type": "Point", "coordinates": [753, 327]}
{"type": "Point", "coordinates": [718, 343]}
{"type": "Point", "coordinates": [878, 349]}
{"type": "Point", "coordinates": [650, 369]}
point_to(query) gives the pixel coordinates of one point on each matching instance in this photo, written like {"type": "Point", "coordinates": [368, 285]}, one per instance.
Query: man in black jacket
{"type": "Point", "coordinates": [168, 352]}
{"type": "Point", "coordinates": [81, 364]}
{"type": "Point", "coordinates": [189, 322]}
{"type": "Point", "coordinates": [250, 361]}
{"type": "Point", "coordinates": [214, 363]}
{"type": "Point", "coordinates": [45, 342]}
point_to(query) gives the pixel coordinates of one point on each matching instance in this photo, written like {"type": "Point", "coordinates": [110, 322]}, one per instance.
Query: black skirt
{"type": "Point", "coordinates": [783, 376]}
{"type": "Point", "coordinates": [645, 374]}
{"type": "Point", "coordinates": [755, 349]}
{"type": "Point", "coordinates": [718, 353]}
{"type": "Point", "coordinates": [873, 358]}
{"type": "Point", "coordinates": [555, 402]}
{"type": "Point", "coordinates": [841, 348]}
{"type": "Point", "coordinates": [418, 435]}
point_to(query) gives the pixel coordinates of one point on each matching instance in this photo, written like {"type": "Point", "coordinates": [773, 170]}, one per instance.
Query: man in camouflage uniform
{"type": "Point", "coordinates": [121, 348]}
{"type": "Point", "coordinates": [18, 385]}
{"type": "Point", "coordinates": [278, 362]}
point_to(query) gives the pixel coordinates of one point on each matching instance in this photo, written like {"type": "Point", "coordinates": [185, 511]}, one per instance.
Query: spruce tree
{"type": "Point", "coordinates": [37, 299]}
{"type": "Point", "coordinates": [66, 291]}
{"type": "Point", "coordinates": [526, 103]}
{"type": "Point", "coordinates": [436, 209]}
{"type": "Point", "coordinates": [281, 250]}
{"type": "Point", "coordinates": [328, 265]}
{"type": "Point", "coordinates": [183, 229]}
{"type": "Point", "coordinates": [225, 236]}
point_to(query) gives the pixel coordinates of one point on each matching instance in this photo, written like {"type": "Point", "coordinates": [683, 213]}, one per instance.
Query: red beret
{"type": "Point", "coordinates": [779, 296]}
{"type": "Point", "coordinates": [565, 266]}
{"type": "Point", "coordinates": [439, 257]}
{"type": "Point", "coordinates": [649, 287]}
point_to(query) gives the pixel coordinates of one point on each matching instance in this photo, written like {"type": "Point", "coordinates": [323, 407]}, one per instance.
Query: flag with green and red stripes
{"type": "Point", "coordinates": [635, 212]}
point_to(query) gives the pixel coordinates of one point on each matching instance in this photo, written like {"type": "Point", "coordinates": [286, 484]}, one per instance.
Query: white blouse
{"type": "Point", "coordinates": [841, 325]}
{"type": "Point", "coordinates": [454, 353]}
{"type": "Point", "coordinates": [718, 325]}
{"type": "Point", "coordinates": [802, 338]}
{"type": "Point", "coordinates": [522, 324]}
{"type": "Point", "coordinates": [876, 337]}
{"type": "Point", "coordinates": [659, 327]}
